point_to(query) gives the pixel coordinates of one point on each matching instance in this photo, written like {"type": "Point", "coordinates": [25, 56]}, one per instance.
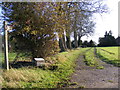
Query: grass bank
{"type": "Point", "coordinates": [31, 77]}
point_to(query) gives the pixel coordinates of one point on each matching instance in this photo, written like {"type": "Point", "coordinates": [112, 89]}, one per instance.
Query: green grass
{"type": "Point", "coordinates": [91, 59]}
{"type": "Point", "coordinates": [109, 55]}
{"type": "Point", "coordinates": [12, 56]}
{"type": "Point", "coordinates": [38, 78]}
{"type": "Point", "coordinates": [100, 67]}
{"type": "Point", "coordinates": [31, 77]}
{"type": "Point", "coordinates": [110, 81]}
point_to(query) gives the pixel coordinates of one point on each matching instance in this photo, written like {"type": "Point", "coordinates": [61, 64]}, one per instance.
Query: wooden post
{"type": "Point", "coordinates": [6, 45]}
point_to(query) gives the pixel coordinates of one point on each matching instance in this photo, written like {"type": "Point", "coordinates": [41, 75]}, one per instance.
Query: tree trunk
{"type": "Point", "coordinates": [75, 30]}
{"type": "Point", "coordinates": [79, 40]}
{"type": "Point", "coordinates": [68, 30]}
{"type": "Point", "coordinates": [33, 54]}
{"type": "Point", "coordinates": [75, 39]}
{"type": "Point", "coordinates": [68, 42]}
{"type": "Point", "coordinates": [64, 42]}
{"type": "Point", "coordinates": [61, 45]}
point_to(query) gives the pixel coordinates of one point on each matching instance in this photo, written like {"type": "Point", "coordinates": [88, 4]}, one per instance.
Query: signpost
{"type": "Point", "coordinates": [6, 45]}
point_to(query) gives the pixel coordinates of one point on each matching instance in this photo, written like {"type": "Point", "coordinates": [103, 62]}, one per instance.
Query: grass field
{"type": "Point", "coordinates": [12, 56]}
{"type": "Point", "coordinates": [109, 55]}
{"type": "Point", "coordinates": [31, 77]}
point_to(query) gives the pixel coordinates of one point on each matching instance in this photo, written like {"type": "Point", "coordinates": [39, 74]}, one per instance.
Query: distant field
{"type": "Point", "coordinates": [12, 57]}
{"type": "Point", "coordinates": [109, 54]}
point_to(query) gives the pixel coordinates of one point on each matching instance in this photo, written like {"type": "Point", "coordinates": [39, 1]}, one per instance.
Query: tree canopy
{"type": "Point", "coordinates": [38, 26]}
{"type": "Point", "coordinates": [107, 40]}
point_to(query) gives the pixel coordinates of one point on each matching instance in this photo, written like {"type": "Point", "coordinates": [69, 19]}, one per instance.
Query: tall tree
{"type": "Point", "coordinates": [68, 25]}
{"type": "Point", "coordinates": [61, 21]}
{"type": "Point", "coordinates": [33, 29]}
{"type": "Point", "coordinates": [84, 24]}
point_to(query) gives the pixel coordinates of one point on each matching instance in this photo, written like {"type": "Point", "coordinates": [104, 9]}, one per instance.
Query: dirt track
{"type": "Point", "coordinates": [90, 77]}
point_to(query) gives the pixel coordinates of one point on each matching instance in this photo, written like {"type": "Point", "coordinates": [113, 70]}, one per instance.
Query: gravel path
{"type": "Point", "coordinates": [90, 77]}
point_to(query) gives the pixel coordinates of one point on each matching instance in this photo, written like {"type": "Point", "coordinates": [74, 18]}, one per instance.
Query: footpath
{"type": "Point", "coordinates": [90, 77]}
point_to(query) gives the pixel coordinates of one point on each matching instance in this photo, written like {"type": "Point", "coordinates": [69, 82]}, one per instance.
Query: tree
{"type": "Point", "coordinates": [107, 40]}
{"type": "Point", "coordinates": [40, 24]}
{"type": "Point", "coordinates": [68, 25]}
{"type": "Point", "coordinates": [61, 22]}
{"type": "Point", "coordinates": [82, 12]}
{"type": "Point", "coordinates": [80, 42]}
{"type": "Point", "coordinates": [86, 28]}
{"type": "Point", "coordinates": [79, 23]}
{"type": "Point", "coordinates": [34, 28]}
{"type": "Point", "coordinates": [118, 41]}
{"type": "Point", "coordinates": [85, 43]}
{"type": "Point", "coordinates": [91, 43]}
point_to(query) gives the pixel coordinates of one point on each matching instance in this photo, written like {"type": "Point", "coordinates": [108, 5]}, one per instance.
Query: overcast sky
{"type": "Point", "coordinates": [106, 22]}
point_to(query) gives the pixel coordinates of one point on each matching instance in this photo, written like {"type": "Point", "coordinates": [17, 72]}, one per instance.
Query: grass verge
{"type": "Point", "coordinates": [38, 78]}
{"type": "Point", "coordinates": [91, 59]}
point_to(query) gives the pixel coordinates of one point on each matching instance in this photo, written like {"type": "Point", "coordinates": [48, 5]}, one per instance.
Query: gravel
{"type": "Point", "coordinates": [90, 77]}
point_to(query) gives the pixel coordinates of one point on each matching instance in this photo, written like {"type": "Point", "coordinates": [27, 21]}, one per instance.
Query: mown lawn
{"type": "Point", "coordinates": [109, 55]}
{"type": "Point", "coordinates": [32, 77]}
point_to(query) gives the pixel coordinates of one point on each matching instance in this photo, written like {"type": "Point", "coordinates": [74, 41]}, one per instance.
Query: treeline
{"type": "Point", "coordinates": [45, 28]}
{"type": "Point", "coordinates": [85, 43]}
{"type": "Point", "coordinates": [109, 40]}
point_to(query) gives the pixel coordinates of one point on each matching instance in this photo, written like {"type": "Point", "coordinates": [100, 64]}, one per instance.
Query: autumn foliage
{"type": "Point", "coordinates": [41, 28]}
